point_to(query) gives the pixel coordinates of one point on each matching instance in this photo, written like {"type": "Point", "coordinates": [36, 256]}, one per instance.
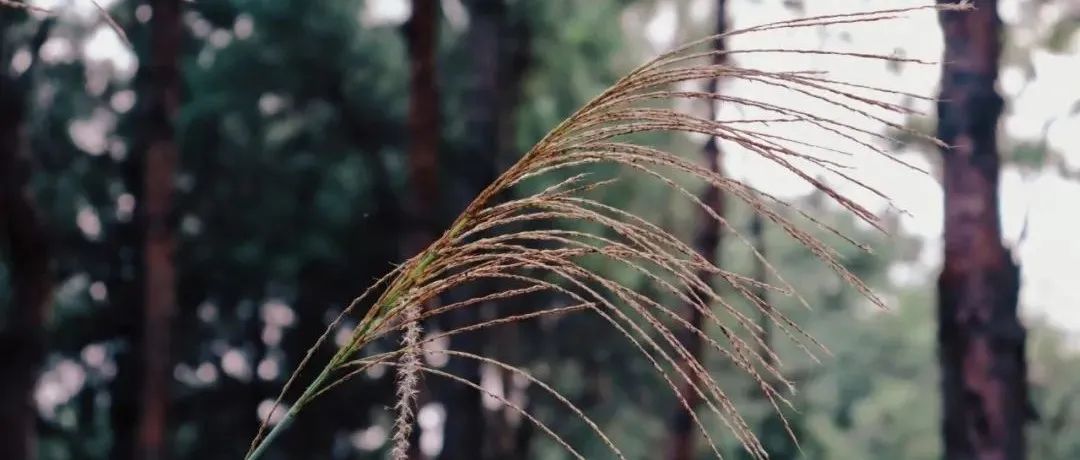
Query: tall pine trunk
{"type": "Point", "coordinates": [464, 437]}
{"type": "Point", "coordinates": [499, 50]}
{"type": "Point", "coordinates": [981, 340]}
{"type": "Point", "coordinates": [162, 93]}
{"type": "Point", "coordinates": [421, 35]}
{"type": "Point", "coordinates": [23, 240]}
{"type": "Point", "coordinates": [707, 242]}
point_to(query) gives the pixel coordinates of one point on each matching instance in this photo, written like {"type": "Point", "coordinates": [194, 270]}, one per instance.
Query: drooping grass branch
{"type": "Point", "coordinates": [569, 229]}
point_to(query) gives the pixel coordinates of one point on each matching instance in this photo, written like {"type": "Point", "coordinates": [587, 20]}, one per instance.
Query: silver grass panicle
{"type": "Point", "coordinates": [408, 378]}
{"type": "Point", "coordinates": [488, 243]}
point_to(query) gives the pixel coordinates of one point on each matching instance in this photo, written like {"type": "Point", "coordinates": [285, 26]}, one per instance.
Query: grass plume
{"type": "Point", "coordinates": [487, 241]}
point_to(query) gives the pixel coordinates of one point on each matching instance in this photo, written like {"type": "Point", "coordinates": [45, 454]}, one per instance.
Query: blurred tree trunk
{"type": "Point", "coordinates": [23, 240]}
{"type": "Point", "coordinates": [498, 46]}
{"type": "Point", "coordinates": [510, 436]}
{"type": "Point", "coordinates": [464, 432]}
{"type": "Point", "coordinates": [422, 37]}
{"type": "Point", "coordinates": [981, 340]}
{"type": "Point", "coordinates": [124, 287]}
{"type": "Point", "coordinates": [707, 242]}
{"type": "Point", "coordinates": [162, 95]}
{"type": "Point", "coordinates": [772, 430]}
{"type": "Point", "coordinates": [761, 275]}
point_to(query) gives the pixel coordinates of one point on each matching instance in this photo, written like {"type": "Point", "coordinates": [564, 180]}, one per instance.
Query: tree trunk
{"type": "Point", "coordinates": [761, 275]}
{"type": "Point", "coordinates": [422, 36]}
{"type": "Point", "coordinates": [981, 340]}
{"type": "Point", "coordinates": [163, 100]}
{"type": "Point", "coordinates": [777, 435]}
{"type": "Point", "coordinates": [707, 242]}
{"type": "Point", "coordinates": [464, 435]}
{"type": "Point", "coordinates": [22, 338]}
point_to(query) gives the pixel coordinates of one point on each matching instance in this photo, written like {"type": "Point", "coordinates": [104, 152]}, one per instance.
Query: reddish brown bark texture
{"type": "Point", "coordinates": [707, 243]}
{"type": "Point", "coordinates": [163, 92]}
{"type": "Point", "coordinates": [421, 32]}
{"type": "Point", "coordinates": [981, 340]}
{"type": "Point", "coordinates": [22, 335]}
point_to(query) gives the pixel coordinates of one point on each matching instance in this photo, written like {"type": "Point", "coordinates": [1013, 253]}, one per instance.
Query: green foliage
{"type": "Point", "coordinates": [293, 169]}
{"type": "Point", "coordinates": [1028, 154]}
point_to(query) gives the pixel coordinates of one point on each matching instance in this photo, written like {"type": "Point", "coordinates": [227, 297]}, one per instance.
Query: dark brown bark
{"type": "Point", "coordinates": [24, 241]}
{"type": "Point", "coordinates": [421, 34]}
{"type": "Point", "coordinates": [508, 440]}
{"type": "Point", "coordinates": [761, 275]}
{"type": "Point", "coordinates": [159, 290]}
{"type": "Point", "coordinates": [707, 242]}
{"type": "Point", "coordinates": [465, 436]}
{"type": "Point", "coordinates": [778, 435]}
{"type": "Point", "coordinates": [981, 340]}
{"type": "Point", "coordinates": [498, 46]}
{"type": "Point", "coordinates": [124, 285]}
{"type": "Point", "coordinates": [422, 37]}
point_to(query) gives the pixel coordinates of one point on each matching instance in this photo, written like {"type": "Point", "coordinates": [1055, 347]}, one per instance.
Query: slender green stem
{"type": "Point", "coordinates": [306, 397]}
{"type": "Point", "coordinates": [362, 330]}
{"type": "Point", "coordinates": [273, 434]}
{"type": "Point", "coordinates": [387, 302]}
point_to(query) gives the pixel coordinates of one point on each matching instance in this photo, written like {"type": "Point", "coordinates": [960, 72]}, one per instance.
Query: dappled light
{"type": "Point", "coordinates": [539, 229]}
